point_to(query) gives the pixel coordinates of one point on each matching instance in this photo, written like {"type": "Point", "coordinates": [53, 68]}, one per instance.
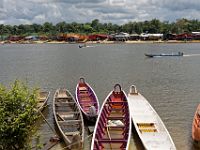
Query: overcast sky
{"type": "Point", "coordinates": [115, 11]}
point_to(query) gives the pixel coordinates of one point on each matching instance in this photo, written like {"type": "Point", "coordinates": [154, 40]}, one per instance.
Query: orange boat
{"type": "Point", "coordinates": [196, 125]}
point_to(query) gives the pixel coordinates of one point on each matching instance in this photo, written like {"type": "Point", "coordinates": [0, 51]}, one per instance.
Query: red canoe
{"type": "Point", "coordinates": [196, 125]}
{"type": "Point", "coordinates": [113, 126]}
{"type": "Point", "coordinates": [87, 100]}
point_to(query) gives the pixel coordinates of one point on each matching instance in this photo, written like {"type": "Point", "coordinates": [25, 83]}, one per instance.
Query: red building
{"type": "Point", "coordinates": [15, 38]}
{"type": "Point", "coordinates": [184, 36]}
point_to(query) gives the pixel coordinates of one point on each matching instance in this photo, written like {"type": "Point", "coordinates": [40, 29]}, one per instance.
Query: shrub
{"type": "Point", "coordinates": [17, 115]}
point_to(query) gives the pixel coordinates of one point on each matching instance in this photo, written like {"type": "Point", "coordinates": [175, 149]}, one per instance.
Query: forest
{"type": "Point", "coordinates": [95, 26]}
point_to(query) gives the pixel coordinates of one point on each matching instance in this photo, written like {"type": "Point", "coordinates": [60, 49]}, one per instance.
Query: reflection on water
{"type": "Point", "coordinates": [170, 84]}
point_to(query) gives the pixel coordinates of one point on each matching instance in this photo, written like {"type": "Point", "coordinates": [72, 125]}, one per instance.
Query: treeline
{"type": "Point", "coordinates": [152, 26]}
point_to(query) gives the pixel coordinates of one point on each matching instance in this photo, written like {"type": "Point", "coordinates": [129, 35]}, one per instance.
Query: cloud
{"type": "Point", "coordinates": [115, 11]}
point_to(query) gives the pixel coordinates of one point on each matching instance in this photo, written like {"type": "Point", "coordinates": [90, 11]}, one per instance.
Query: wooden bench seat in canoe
{"type": "Point", "coordinates": [85, 94]}
{"type": "Point", "coordinates": [115, 117]}
{"type": "Point", "coordinates": [86, 98]}
{"type": "Point", "coordinates": [91, 102]}
{"type": "Point", "coordinates": [145, 124]}
{"type": "Point", "coordinates": [63, 99]}
{"type": "Point", "coordinates": [72, 133]}
{"type": "Point", "coordinates": [66, 115]}
{"type": "Point", "coordinates": [62, 96]}
{"type": "Point", "coordinates": [112, 140]}
{"type": "Point", "coordinates": [148, 130]}
{"type": "Point", "coordinates": [69, 122]}
{"type": "Point", "coordinates": [115, 112]}
{"type": "Point", "coordinates": [83, 90]}
{"type": "Point", "coordinates": [58, 104]}
{"type": "Point", "coordinates": [117, 102]}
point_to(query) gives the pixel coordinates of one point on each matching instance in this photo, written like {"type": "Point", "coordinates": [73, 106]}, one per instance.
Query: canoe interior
{"type": "Point", "coordinates": [68, 116]}
{"type": "Point", "coordinates": [112, 131]}
{"type": "Point", "coordinates": [87, 99]}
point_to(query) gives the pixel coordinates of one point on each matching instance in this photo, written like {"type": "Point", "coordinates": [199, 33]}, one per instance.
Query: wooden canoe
{"type": "Point", "coordinates": [196, 125]}
{"type": "Point", "coordinates": [43, 97]}
{"type": "Point", "coordinates": [149, 126]}
{"type": "Point", "coordinates": [68, 118]}
{"type": "Point", "coordinates": [161, 55]}
{"type": "Point", "coordinates": [113, 126]}
{"type": "Point", "coordinates": [87, 100]}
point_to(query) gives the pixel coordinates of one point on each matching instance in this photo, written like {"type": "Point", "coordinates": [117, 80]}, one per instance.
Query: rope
{"type": "Point", "coordinates": [47, 122]}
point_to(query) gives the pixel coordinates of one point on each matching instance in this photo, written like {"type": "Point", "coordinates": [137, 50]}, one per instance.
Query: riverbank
{"type": "Point", "coordinates": [98, 42]}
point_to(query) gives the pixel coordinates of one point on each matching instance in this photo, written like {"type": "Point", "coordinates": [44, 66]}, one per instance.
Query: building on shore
{"type": "Point", "coordinates": [98, 37]}
{"type": "Point", "coordinates": [31, 38]}
{"type": "Point", "coordinates": [122, 36]}
{"type": "Point", "coordinates": [15, 38]}
{"type": "Point", "coordinates": [196, 35]}
{"type": "Point", "coordinates": [184, 36]}
{"type": "Point", "coordinates": [152, 37]}
{"type": "Point", "coordinates": [134, 37]}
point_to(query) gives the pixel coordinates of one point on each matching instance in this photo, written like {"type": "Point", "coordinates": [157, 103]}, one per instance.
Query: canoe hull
{"type": "Point", "coordinates": [87, 100]}
{"type": "Point", "coordinates": [113, 126]}
{"type": "Point", "coordinates": [161, 55]}
{"type": "Point", "coordinates": [43, 98]}
{"type": "Point", "coordinates": [68, 118]}
{"type": "Point", "coordinates": [149, 126]}
{"type": "Point", "coordinates": [196, 126]}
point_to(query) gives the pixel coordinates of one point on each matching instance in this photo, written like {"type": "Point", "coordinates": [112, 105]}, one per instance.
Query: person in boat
{"type": "Point", "coordinates": [81, 46]}
{"type": "Point", "coordinates": [180, 53]}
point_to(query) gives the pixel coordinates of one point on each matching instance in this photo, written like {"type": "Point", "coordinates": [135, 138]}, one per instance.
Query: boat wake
{"type": "Point", "coordinates": [189, 55]}
{"type": "Point", "coordinates": [90, 46]}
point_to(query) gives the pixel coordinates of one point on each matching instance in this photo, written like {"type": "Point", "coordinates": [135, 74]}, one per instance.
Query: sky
{"type": "Point", "coordinates": [114, 11]}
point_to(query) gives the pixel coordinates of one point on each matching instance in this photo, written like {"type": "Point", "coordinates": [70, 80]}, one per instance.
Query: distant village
{"type": "Point", "coordinates": [121, 37]}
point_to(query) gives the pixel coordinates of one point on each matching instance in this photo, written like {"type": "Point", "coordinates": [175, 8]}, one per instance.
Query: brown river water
{"type": "Point", "coordinates": [170, 84]}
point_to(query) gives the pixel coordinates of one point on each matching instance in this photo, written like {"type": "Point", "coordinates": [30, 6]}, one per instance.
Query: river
{"type": "Point", "coordinates": [170, 84]}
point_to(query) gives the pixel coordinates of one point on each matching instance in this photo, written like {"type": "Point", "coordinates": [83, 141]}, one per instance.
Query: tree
{"type": "Point", "coordinates": [48, 28]}
{"type": "Point", "coordinates": [17, 109]}
{"type": "Point", "coordinates": [129, 27]}
{"type": "Point", "coordinates": [36, 28]}
{"type": "Point", "coordinates": [138, 28]}
{"type": "Point", "coordinates": [95, 25]}
{"type": "Point", "coordinates": [87, 28]}
{"type": "Point", "coordinates": [154, 26]}
{"type": "Point", "coordinates": [2, 30]}
{"type": "Point", "coordinates": [61, 27]}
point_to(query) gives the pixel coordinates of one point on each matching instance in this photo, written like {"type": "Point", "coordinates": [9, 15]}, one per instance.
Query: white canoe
{"type": "Point", "coordinates": [149, 126]}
